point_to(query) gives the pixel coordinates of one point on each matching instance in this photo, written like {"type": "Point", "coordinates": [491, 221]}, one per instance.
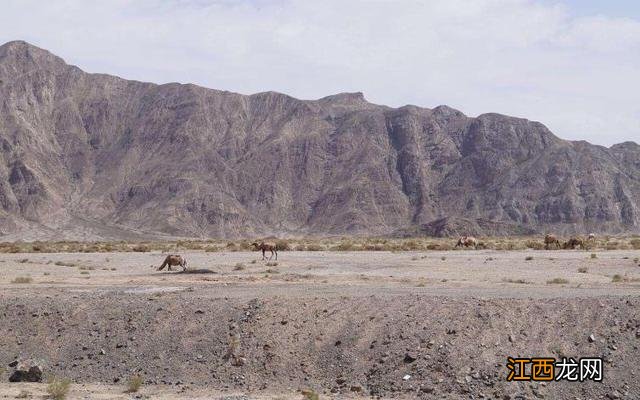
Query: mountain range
{"type": "Point", "coordinates": [93, 156]}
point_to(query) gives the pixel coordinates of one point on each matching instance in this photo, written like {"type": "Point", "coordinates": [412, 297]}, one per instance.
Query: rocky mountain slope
{"type": "Point", "coordinates": [91, 155]}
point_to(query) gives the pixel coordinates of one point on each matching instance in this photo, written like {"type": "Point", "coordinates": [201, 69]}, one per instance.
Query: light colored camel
{"type": "Point", "coordinates": [550, 239]}
{"type": "Point", "coordinates": [172, 260]}
{"type": "Point", "coordinates": [266, 246]}
{"type": "Point", "coordinates": [467, 241]}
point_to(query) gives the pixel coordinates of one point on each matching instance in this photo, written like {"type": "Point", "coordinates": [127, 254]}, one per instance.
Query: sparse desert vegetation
{"type": "Point", "coordinates": [134, 383]}
{"type": "Point", "coordinates": [557, 281]}
{"type": "Point", "coordinates": [22, 279]}
{"type": "Point", "coordinates": [313, 244]}
{"type": "Point", "coordinates": [289, 296]}
{"type": "Point", "coordinates": [58, 389]}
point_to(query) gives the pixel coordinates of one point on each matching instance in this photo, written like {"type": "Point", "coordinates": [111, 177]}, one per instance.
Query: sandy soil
{"type": "Point", "coordinates": [339, 323]}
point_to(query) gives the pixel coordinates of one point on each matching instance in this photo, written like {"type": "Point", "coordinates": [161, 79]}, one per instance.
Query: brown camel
{"type": "Point", "coordinates": [174, 259]}
{"type": "Point", "coordinates": [467, 241]}
{"type": "Point", "coordinates": [266, 246]}
{"type": "Point", "coordinates": [574, 242]}
{"type": "Point", "coordinates": [550, 239]}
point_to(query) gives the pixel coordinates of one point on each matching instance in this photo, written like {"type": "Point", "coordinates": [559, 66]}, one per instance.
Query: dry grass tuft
{"type": "Point", "coordinates": [310, 394]}
{"type": "Point", "coordinates": [58, 388]}
{"type": "Point", "coordinates": [519, 281]}
{"type": "Point", "coordinates": [557, 281]}
{"type": "Point", "coordinates": [134, 383]}
{"type": "Point", "coordinates": [22, 279]}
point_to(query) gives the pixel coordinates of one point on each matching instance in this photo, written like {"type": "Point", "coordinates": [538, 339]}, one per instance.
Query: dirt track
{"type": "Point", "coordinates": [339, 323]}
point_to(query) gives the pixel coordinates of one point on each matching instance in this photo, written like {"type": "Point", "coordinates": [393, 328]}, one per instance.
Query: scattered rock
{"type": "Point", "coordinates": [427, 389]}
{"type": "Point", "coordinates": [592, 338]}
{"type": "Point", "coordinates": [27, 372]}
{"type": "Point", "coordinates": [406, 377]}
{"type": "Point", "coordinates": [410, 357]}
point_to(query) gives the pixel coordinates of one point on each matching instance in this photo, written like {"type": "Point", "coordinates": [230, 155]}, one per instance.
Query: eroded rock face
{"type": "Point", "coordinates": [98, 156]}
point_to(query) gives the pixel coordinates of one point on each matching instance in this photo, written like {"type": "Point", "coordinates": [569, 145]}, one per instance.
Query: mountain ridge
{"type": "Point", "coordinates": [182, 160]}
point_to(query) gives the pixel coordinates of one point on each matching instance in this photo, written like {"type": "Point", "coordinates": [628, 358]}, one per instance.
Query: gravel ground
{"type": "Point", "coordinates": [344, 324]}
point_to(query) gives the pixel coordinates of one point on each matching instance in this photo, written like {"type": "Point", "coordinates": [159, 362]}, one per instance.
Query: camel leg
{"type": "Point", "coordinates": [263, 256]}
{"type": "Point", "coordinates": [162, 266]}
{"type": "Point", "coordinates": [276, 254]}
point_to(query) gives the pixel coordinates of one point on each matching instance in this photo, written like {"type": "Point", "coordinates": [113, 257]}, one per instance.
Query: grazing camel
{"type": "Point", "coordinates": [550, 239]}
{"type": "Point", "coordinates": [266, 246]}
{"type": "Point", "coordinates": [174, 259]}
{"type": "Point", "coordinates": [592, 236]}
{"type": "Point", "coordinates": [574, 242]}
{"type": "Point", "coordinates": [467, 241]}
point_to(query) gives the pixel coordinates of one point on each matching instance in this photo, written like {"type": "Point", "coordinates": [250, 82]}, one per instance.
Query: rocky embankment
{"type": "Point", "coordinates": [391, 346]}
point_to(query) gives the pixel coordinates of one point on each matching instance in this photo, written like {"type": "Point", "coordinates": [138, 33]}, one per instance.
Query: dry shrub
{"type": "Point", "coordinates": [239, 267]}
{"type": "Point", "coordinates": [65, 264]}
{"type": "Point", "coordinates": [140, 248]}
{"type": "Point", "coordinates": [557, 281]}
{"type": "Point", "coordinates": [314, 247]}
{"type": "Point", "coordinates": [533, 244]}
{"type": "Point", "coordinates": [134, 383]}
{"type": "Point", "coordinates": [282, 245]}
{"type": "Point", "coordinates": [635, 243]}
{"type": "Point", "coordinates": [411, 245]}
{"type": "Point", "coordinates": [22, 279]}
{"type": "Point", "coordinates": [615, 246]}
{"type": "Point", "coordinates": [344, 246]}
{"type": "Point", "coordinates": [58, 388]}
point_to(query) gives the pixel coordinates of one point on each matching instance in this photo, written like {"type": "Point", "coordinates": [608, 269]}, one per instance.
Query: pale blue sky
{"type": "Point", "coordinates": [571, 64]}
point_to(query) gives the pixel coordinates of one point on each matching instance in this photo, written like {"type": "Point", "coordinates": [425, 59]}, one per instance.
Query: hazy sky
{"type": "Point", "coordinates": [572, 64]}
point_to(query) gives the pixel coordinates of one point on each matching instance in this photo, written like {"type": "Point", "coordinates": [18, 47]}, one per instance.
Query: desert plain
{"type": "Point", "coordinates": [319, 324]}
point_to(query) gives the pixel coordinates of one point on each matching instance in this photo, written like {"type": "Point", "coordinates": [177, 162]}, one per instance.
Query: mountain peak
{"type": "Point", "coordinates": [19, 51]}
{"type": "Point", "coordinates": [346, 97]}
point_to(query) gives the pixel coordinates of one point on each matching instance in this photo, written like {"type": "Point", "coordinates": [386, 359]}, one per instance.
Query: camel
{"type": "Point", "coordinates": [266, 246]}
{"type": "Point", "coordinates": [550, 239]}
{"type": "Point", "coordinates": [573, 242]}
{"type": "Point", "coordinates": [467, 241]}
{"type": "Point", "coordinates": [174, 259]}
